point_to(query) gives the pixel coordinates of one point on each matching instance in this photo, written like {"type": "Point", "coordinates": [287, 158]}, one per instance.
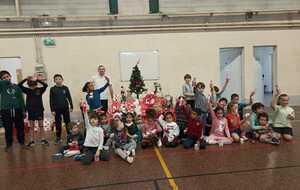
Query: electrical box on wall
{"type": "Point", "coordinates": [49, 42]}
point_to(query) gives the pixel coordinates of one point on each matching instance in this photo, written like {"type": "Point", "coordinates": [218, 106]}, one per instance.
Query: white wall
{"type": "Point", "coordinates": [197, 53]}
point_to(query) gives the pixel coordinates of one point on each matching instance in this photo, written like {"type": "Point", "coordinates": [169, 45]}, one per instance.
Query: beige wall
{"type": "Point", "coordinates": [196, 53]}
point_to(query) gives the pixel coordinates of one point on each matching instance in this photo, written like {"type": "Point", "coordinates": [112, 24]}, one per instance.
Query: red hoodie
{"type": "Point", "coordinates": [194, 125]}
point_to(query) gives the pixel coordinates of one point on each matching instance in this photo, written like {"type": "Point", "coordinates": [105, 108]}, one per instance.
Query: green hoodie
{"type": "Point", "coordinates": [10, 96]}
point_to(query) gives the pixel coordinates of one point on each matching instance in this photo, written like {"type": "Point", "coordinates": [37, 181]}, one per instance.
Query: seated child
{"type": "Point", "coordinates": [170, 128]}
{"type": "Point", "coordinates": [93, 96]}
{"type": "Point", "coordinates": [194, 129]}
{"type": "Point", "coordinates": [93, 144]}
{"type": "Point", "coordinates": [219, 128]}
{"type": "Point", "coordinates": [235, 124]}
{"type": "Point", "coordinates": [283, 115]}
{"type": "Point", "coordinates": [74, 144]}
{"type": "Point", "coordinates": [106, 129]}
{"type": "Point", "coordinates": [265, 134]}
{"type": "Point", "coordinates": [256, 108]}
{"type": "Point", "coordinates": [131, 128]}
{"type": "Point", "coordinates": [124, 146]}
{"type": "Point", "coordinates": [150, 130]}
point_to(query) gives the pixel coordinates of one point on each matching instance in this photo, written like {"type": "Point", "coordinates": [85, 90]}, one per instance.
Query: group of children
{"type": "Point", "coordinates": [195, 121]}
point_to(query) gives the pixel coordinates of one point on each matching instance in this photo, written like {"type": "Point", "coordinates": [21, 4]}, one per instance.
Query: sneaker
{"type": "Point", "coordinates": [78, 157]}
{"type": "Point", "coordinates": [133, 152]}
{"type": "Point", "coordinates": [129, 159]}
{"type": "Point", "coordinates": [44, 142]}
{"type": "Point", "coordinates": [128, 153]}
{"type": "Point", "coordinates": [30, 144]}
{"type": "Point", "coordinates": [8, 148]}
{"type": "Point", "coordinates": [275, 141]}
{"type": "Point", "coordinates": [245, 138]}
{"type": "Point", "coordinates": [159, 144]}
{"type": "Point", "coordinates": [57, 156]}
{"type": "Point", "coordinates": [57, 141]}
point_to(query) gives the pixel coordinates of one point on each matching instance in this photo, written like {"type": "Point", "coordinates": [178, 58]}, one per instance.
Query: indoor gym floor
{"type": "Point", "coordinates": [238, 166]}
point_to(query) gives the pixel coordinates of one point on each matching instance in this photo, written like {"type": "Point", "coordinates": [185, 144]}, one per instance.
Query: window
{"type": "Point", "coordinates": [113, 7]}
{"type": "Point", "coordinates": [154, 6]}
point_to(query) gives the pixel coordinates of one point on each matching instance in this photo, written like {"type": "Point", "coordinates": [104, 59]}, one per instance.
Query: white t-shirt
{"type": "Point", "coordinates": [100, 82]}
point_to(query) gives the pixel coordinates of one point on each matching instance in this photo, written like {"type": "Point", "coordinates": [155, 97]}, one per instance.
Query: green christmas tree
{"type": "Point", "coordinates": [137, 84]}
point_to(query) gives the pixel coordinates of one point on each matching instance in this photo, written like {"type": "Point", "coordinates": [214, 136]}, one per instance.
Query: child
{"type": "Point", "coordinates": [235, 99]}
{"type": "Point", "coordinates": [194, 129]}
{"type": "Point", "coordinates": [93, 143]}
{"type": "Point", "coordinates": [265, 134]}
{"type": "Point", "coordinates": [170, 128]}
{"type": "Point", "coordinates": [60, 105]}
{"type": "Point", "coordinates": [34, 106]}
{"type": "Point", "coordinates": [181, 117]}
{"type": "Point", "coordinates": [12, 109]}
{"type": "Point", "coordinates": [235, 124]}
{"type": "Point", "coordinates": [74, 144]}
{"type": "Point", "coordinates": [124, 146]}
{"type": "Point", "coordinates": [219, 128]}
{"type": "Point", "coordinates": [150, 130]}
{"type": "Point", "coordinates": [93, 96]}
{"type": "Point", "coordinates": [283, 115]}
{"type": "Point", "coordinates": [201, 102]}
{"type": "Point", "coordinates": [188, 90]}
{"type": "Point", "coordinates": [133, 131]}
{"type": "Point", "coordinates": [106, 129]}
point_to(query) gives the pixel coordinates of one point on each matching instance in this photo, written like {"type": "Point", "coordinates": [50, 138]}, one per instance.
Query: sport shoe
{"type": "Point", "coordinates": [159, 144]}
{"type": "Point", "coordinates": [133, 152]}
{"type": "Point", "coordinates": [44, 142]}
{"type": "Point", "coordinates": [57, 141]}
{"type": "Point", "coordinates": [129, 159]}
{"type": "Point", "coordinates": [30, 144]}
{"type": "Point", "coordinates": [57, 156]}
{"type": "Point", "coordinates": [275, 141]}
{"type": "Point", "coordinates": [245, 138]}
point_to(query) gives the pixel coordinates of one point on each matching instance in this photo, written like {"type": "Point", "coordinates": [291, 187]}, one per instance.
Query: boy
{"type": "Point", "coordinates": [188, 90]}
{"type": "Point", "coordinates": [60, 105]}
{"type": "Point", "coordinates": [34, 106]}
{"type": "Point", "coordinates": [201, 106]}
{"type": "Point", "coordinates": [236, 100]}
{"type": "Point", "coordinates": [283, 115]}
{"type": "Point", "coordinates": [12, 109]}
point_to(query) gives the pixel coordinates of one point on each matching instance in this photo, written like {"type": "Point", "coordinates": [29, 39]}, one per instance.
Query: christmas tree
{"type": "Point", "coordinates": [137, 84]}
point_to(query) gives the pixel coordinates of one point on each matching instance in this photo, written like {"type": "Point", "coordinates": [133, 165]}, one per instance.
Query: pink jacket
{"type": "Point", "coordinates": [215, 126]}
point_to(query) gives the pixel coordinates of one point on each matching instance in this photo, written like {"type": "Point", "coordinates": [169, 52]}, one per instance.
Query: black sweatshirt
{"type": "Point", "coordinates": [34, 100]}
{"type": "Point", "coordinates": [60, 98]}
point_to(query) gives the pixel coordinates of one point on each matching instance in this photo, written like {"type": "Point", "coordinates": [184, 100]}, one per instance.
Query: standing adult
{"type": "Point", "coordinates": [100, 81]}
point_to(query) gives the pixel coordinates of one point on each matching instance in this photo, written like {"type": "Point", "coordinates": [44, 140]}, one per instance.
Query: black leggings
{"type": "Point", "coordinates": [13, 118]}
{"type": "Point", "coordinates": [65, 113]}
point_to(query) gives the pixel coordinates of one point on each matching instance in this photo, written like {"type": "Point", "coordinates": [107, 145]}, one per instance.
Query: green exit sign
{"type": "Point", "coordinates": [49, 42]}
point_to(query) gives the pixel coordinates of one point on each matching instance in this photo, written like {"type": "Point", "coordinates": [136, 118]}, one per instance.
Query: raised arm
{"type": "Point", "coordinates": [23, 88]}
{"type": "Point", "coordinates": [44, 85]}
{"type": "Point", "coordinates": [224, 86]}
{"type": "Point", "coordinates": [161, 121]}
{"type": "Point", "coordinates": [251, 98]}
{"type": "Point", "coordinates": [275, 97]}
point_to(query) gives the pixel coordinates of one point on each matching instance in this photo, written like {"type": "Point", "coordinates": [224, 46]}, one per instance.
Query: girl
{"type": "Point", "coordinates": [234, 123]}
{"type": "Point", "coordinates": [94, 139]}
{"type": "Point", "coordinates": [283, 115]}
{"type": "Point", "coordinates": [124, 146]}
{"type": "Point", "coordinates": [150, 130]}
{"type": "Point", "coordinates": [93, 96]}
{"type": "Point", "coordinates": [106, 128]}
{"type": "Point", "coordinates": [34, 106]}
{"type": "Point", "coordinates": [170, 128]}
{"type": "Point", "coordinates": [219, 127]}
{"type": "Point", "coordinates": [131, 128]}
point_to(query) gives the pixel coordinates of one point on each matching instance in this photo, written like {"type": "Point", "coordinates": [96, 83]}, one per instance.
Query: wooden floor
{"type": "Point", "coordinates": [238, 166]}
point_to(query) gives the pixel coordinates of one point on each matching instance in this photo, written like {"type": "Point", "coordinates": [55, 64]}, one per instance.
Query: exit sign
{"type": "Point", "coordinates": [49, 42]}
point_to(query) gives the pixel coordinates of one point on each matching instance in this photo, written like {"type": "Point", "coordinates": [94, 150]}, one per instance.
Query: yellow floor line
{"type": "Point", "coordinates": [166, 169]}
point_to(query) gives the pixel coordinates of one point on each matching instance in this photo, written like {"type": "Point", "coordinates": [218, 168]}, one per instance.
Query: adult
{"type": "Point", "coordinates": [12, 109]}
{"type": "Point", "coordinates": [100, 81]}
